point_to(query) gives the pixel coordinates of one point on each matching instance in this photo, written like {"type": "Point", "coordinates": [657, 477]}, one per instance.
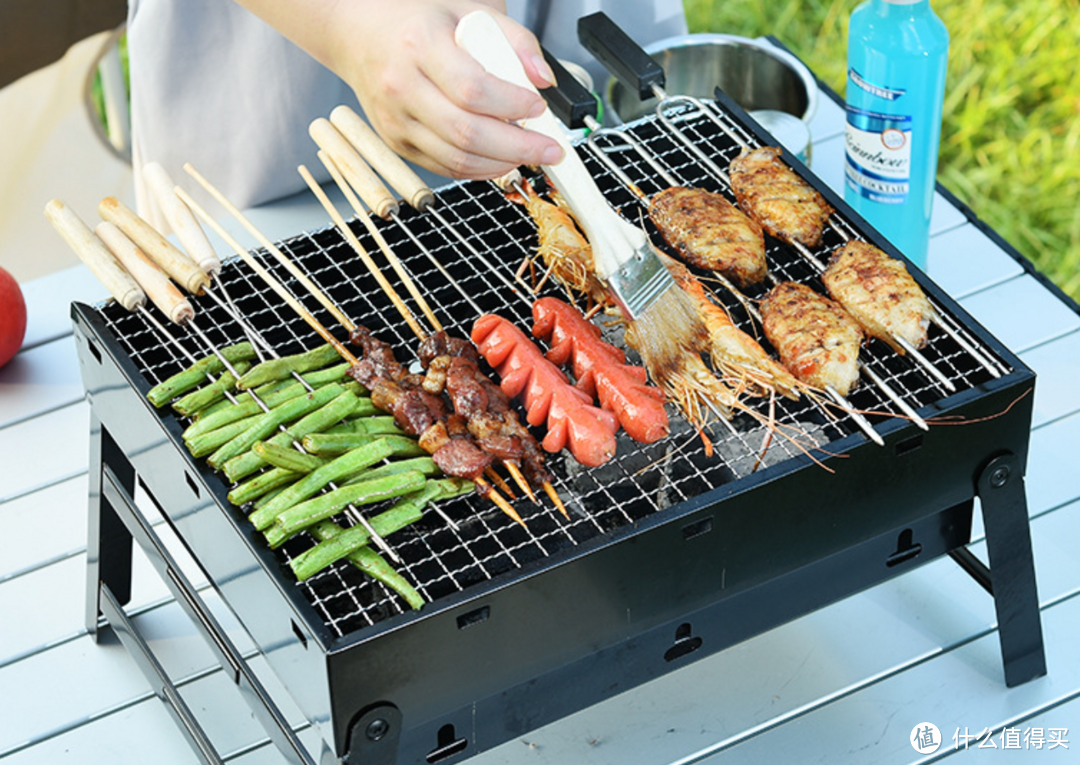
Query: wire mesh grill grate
{"type": "Point", "coordinates": [640, 482]}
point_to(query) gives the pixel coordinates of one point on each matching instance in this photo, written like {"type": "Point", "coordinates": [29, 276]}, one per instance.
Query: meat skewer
{"type": "Point", "coordinates": [296, 306]}
{"type": "Point", "coordinates": [509, 463]}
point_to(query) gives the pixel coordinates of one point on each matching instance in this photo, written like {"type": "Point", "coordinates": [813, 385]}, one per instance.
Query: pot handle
{"type": "Point", "coordinates": [623, 57]}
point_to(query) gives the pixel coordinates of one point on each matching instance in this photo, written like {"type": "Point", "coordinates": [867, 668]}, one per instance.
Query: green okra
{"type": "Point", "coordinates": [261, 485]}
{"type": "Point", "coordinates": [335, 470]}
{"type": "Point", "coordinates": [190, 378]}
{"type": "Point", "coordinates": [425, 465]}
{"type": "Point", "coordinates": [372, 564]}
{"type": "Point", "coordinates": [194, 402]}
{"type": "Point", "coordinates": [329, 444]}
{"type": "Point", "coordinates": [280, 368]}
{"type": "Point", "coordinates": [208, 443]}
{"type": "Point", "coordinates": [247, 463]}
{"type": "Point", "coordinates": [372, 425]}
{"type": "Point", "coordinates": [408, 509]}
{"type": "Point", "coordinates": [286, 457]}
{"type": "Point", "coordinates": [268, 422]}
{"type": "Point", "coordinates": [324, 506]}
{"type": "Point", "coordinates": [273, 396]}
{"type": "Point", "coordinates": [375, 566]}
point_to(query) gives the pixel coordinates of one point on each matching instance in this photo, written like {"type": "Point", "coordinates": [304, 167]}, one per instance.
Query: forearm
{"type": "Point", "coordinates": [332, 30]}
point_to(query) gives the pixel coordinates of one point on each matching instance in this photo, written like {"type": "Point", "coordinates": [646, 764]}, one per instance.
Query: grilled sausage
{"type": "Point", "coordinates": [572, 421]}
{"type": "Point", "coordinates": [601, 369]}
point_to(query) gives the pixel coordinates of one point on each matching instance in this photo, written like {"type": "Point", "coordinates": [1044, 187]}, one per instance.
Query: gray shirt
{"type": "Point", "coordinates": [213, 85]}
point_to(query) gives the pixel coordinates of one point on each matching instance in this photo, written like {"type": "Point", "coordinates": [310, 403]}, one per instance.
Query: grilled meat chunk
{"type": "Point", "coordinates": [481, 406]}
{"type": "Point", "coordinates": [816, 339]}
{"type": "Point", "coordinates": [879, 293]}
{"type": "Point", "coordinates": [770, 192]}
{"type": "Point", "coordinates": [709, 232]}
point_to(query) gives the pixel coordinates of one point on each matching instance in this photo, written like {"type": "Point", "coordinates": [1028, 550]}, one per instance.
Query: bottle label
{"type": "Point", "coordinates": [878, 148]}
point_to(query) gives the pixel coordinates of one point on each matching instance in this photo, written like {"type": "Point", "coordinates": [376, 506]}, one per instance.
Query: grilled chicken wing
{"type": "Point", "coordinates": [709, 232]}
{"type": "Point", "coordinates": [773, 195]}
{"type": "Point", "coordinates": [816, 339]}
{"type": "Point", "coordinates": [879, 293]}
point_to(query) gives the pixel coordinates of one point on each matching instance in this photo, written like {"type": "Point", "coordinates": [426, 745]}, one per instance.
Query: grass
{"type": "Point", "coordinates": [1010, 145]}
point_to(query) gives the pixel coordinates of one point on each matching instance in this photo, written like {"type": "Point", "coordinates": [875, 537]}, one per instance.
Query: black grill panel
{"type": "Point", "coordinates": [638, 483]}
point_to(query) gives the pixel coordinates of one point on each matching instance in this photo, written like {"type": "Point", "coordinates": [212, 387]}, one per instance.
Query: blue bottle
{"type": "Point", "coordinates": [897, 56]}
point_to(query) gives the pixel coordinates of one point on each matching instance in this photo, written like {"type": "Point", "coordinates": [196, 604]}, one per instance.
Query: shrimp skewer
{"type": "Point", "coordinates": [563, 248]}
{"type": "Point", "coordinates": [732, 351]}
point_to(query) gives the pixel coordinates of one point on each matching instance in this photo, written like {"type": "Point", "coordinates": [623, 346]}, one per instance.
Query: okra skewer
{"type": "Point", "coordinates": [405, 511]}
{"type": "Point", "coordinates": [282, 367]}
{"type": "Point", "coordinates": [289, 459]}
{"type": "Point", "coordinates": [330, 444]}
{"type": "Point", "coordinates": [299, 517]}
{"type": "Point", "coordinates": [247, 463]}
{"type": "Point", "coordinates": [269, 422]}
{"type": "Point", "coordinates": [199, 399]}
{"type": "Point", "coordinates": [264, 483]}
{"type": "Point", "coordinates": [335, 470]}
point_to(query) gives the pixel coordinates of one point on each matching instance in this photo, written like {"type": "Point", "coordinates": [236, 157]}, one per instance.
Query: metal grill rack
{"type": "Point", "coordinates": [663, 532]}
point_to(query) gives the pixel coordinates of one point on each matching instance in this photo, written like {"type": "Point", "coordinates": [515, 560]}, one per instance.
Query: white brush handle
{"type": "Point", "coordinates": [614, 241]}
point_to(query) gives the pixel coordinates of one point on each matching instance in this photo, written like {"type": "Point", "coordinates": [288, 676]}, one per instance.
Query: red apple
{"type": "Point", "coordinates": [12, 317]}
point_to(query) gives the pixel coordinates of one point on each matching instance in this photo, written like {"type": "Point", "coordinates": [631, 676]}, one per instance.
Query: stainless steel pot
{"type": "Point", "coordinates": [757, 75]}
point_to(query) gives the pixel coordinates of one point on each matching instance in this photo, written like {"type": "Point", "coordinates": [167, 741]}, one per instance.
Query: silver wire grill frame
{"type": "Point", "coordinates": [641, 481]}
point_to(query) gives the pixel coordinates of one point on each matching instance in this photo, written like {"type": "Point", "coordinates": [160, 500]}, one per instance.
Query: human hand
{"type": "Point", "coordinates": [430, 100]}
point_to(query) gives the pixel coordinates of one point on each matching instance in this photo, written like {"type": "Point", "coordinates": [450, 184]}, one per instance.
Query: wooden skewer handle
{"type": "Point", "coordinates": [181, 219]}
{"type": "Point", "coordinates": [175, 263]}
{"type": "Point", "coordinates": [361, 177]}
{"type": "Point", "coordinates": [152, 279]}
{"type": "Point", "coordinates": [387, 163]}
{"type": "Point", "coordinates": [95, 255]}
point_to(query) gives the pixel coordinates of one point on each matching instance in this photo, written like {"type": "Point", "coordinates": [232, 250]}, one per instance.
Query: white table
{"type": "Point", "coordinates": [844, 684]}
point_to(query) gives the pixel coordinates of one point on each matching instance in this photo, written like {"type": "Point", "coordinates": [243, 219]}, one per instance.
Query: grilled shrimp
{"type": "Point", "coordinates": [816, 338]}
{"type": "Point", "coordinates": [879, 293]}
{"type": "Point", "coordinates": [563, 248]}
{"type": "Point", "coordinates": [771, 193]}
{"type": "Point", "coordinates": [709, 232]}
{"type": "Point", "coordinates": [733, 352]}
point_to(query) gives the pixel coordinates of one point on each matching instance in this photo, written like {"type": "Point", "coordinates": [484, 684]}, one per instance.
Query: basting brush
{"type": "Point", "coordinates": [662, 323]}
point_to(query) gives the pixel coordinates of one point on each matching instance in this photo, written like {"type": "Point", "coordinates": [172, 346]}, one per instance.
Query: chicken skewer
{"type": "Point", "coordinates": [766, 188]}
{"type": "Point", "coordinates": [907, 410]}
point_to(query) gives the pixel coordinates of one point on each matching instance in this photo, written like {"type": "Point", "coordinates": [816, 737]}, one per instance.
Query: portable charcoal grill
{"type": "Point", "coordinates": [670, 555]}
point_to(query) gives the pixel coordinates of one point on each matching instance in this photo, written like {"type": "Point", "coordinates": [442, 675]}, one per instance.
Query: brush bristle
{"type": "Point", "coordinates": [667, 329]}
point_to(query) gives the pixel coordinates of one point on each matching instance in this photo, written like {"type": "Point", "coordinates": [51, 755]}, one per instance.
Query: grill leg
{"type": "Point", "coordinates": [108, 543]}
{"type": "Point", "coordinates": [1012, 569]}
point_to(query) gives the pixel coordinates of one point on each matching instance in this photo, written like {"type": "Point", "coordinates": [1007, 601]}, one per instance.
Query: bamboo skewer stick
{"type": "Point", "coordinates": [270, 247]}
{"type": "Point", "coordinates": [406, 314]}
{"type": "Point", "coordinates": [266, 276]}
{"type": "Point", "coordinates": [351, 238]}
